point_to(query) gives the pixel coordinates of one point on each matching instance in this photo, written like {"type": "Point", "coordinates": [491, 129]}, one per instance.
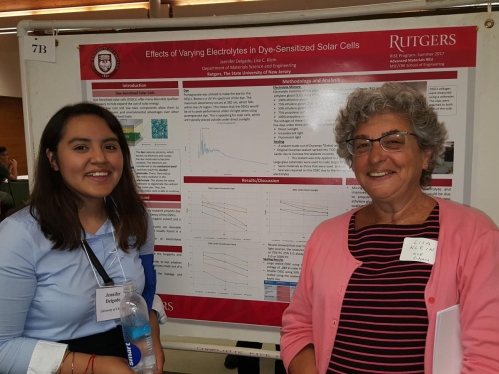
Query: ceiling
{"type": "Point", "coordinates": [18, 5]}
{"type": "Point", "coordinates": [176, 8]}
{"type": "Point", "coordinates": [9, 6]}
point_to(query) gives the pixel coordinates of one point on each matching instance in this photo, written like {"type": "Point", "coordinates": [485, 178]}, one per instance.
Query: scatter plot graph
{"type": "Point", "coordinates": [300, 213]}
{"type": "Point", "coordinates": [228, 149]}
{"type": "Point", "coordinates": [220, 212]}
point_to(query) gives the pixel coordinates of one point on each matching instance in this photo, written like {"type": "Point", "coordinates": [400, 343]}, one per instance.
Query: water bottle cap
{"type": "Point", "coordinates": [129, 286]}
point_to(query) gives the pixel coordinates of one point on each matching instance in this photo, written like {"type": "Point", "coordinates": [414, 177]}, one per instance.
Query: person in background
{"type": "Point", "coordinates": [8, 171]}
{"type": "Point", "coordinates": [373, 279]}
{"type": "Point", "coordinates": [84, 201]}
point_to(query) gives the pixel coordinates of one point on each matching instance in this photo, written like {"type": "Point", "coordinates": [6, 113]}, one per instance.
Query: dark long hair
{"type": "Point", "coordinates": [55, 206]}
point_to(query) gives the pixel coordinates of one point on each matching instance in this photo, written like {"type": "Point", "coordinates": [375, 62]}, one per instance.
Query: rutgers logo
{"type": "Point", "coordinates": [168, 306]}
{"type": "Point", "coordinates": [105, 62]}
{"type": "Point", "coordinates": [413, 41]}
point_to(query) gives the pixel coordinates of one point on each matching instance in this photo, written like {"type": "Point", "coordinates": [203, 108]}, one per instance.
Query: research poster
{"type": "Point", "coordinates": [233, 148]}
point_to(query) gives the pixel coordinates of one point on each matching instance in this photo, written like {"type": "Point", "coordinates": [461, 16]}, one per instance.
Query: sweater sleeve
{"type": "Point", "coordinates": [479, 305]}
{"type": "Point", "coordinates": [18, 284]}
{"type": "Point", "coordinates": [296, 332]}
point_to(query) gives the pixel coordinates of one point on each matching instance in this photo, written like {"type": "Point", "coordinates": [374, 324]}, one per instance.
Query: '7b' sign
{"type": "Point", "coordinates": [39, 48]}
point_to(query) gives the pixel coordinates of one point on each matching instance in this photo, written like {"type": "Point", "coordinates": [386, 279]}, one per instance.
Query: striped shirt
{"type": "Point", "coordinates": [383, 321]}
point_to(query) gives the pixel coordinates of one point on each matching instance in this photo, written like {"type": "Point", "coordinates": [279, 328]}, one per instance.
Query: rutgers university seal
{"type": "Point", "coordinates": [105, 62]}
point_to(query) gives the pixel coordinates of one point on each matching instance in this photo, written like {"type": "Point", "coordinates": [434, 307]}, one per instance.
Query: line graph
{"type": "Point", "coordinates": [204, 150]}
{"type": "Point", "coordinates": [235, 269]}
{"type": "Point", "coordinates": [300, 212]}
{"type": "Point", "coordinates": [229, 149]}
{"type": "Point", "coordinates": [304, 209]}
{"type": "Point", "coordinates": [225, 212]}
{"type": "Point", "coordinates": [230, 267]}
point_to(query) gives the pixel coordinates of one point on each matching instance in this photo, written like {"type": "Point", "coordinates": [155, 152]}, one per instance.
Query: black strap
{"type": "Point", "coordinates": [108, 343]}
{"type": "Point", "coordinates": [97, 265]}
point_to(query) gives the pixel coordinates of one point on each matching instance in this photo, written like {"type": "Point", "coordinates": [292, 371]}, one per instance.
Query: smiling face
{"type": "Point", "coordinates": [389, 177]}
{"type": "Point", "coordinates": [88, 157]}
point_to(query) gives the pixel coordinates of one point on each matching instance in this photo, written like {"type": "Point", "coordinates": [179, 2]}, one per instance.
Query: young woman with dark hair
{"type": "Point", "coordinates": [84, 201]}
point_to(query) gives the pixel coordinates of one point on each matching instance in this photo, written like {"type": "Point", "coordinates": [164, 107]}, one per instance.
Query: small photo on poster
{"type": "Point", "coordinates": [445, 160]}
{"type": "Point", "coordinates": [133, 129]}
{"type": "Point", "coordinates": [159, 128]}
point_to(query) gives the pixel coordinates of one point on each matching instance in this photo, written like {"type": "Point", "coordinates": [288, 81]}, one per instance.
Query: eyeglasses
{"type": "Point", "coordinates": [4, 155]}
{"type": "Point", "coordinates": [393, 142]}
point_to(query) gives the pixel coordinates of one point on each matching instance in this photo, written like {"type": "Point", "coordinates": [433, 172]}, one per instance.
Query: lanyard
{"type": "Point", "coordinates": [96, 264]}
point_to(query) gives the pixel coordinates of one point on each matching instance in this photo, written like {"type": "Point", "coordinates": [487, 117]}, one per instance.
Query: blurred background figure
{"type": "Point", "coordinates": [8, 171]}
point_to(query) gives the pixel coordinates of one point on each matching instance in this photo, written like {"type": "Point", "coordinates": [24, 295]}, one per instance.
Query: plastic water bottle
{"type": "Point", "coordinates": [137, 330]}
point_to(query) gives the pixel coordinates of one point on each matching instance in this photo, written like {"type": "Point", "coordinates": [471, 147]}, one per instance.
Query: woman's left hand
{"type": "Point", "coordinates": [156, 341]}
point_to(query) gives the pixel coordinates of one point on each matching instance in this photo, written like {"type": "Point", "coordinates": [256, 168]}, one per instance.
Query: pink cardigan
{"type": "Point", "coordinates": [466, 271]}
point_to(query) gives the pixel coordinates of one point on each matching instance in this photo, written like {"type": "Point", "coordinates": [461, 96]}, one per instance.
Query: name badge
{"type": "Point", "coordinates": [419, 249]}
{"type": "Point", "coordinates": [107, 302]}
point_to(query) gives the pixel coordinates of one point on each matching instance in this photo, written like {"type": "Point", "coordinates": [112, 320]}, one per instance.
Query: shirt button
{"type": "Point", "coordinates": [333, 324]}
{"type": "Point", "coordinates": [431, 300]}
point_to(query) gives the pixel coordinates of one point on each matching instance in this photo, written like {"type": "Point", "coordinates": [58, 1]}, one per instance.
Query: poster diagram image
{"type": "Point", "coordinates": [226, 267]}
{"type": "Point", "coordinates": [133, 129]}
{"type": "Point", "coordinates": [299, 213]}
{"type": "Point", "coordinates": [159, 128]}
{"type": "Point", "coordinates": [224, 214]}
{"type": "Point", "coordinates": [228, 149]}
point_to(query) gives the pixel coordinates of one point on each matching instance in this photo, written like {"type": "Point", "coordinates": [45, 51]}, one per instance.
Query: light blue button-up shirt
{"type": "Point", "coordinates": [50, 295]}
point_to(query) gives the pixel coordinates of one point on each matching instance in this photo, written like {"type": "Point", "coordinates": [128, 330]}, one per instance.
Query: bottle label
{"type": "Point", "coordinates": [133, 353]}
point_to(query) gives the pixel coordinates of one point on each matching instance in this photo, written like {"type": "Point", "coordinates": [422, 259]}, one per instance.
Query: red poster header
{"type": "Point", "coordinates": [441, 183]}
{"type": "Point", "coordinates": [391, 50]}
{"type": "Point", "coordinates": [264, 180]}
{"type": "Point", "coordinates": [133, 85]}
{"type": "Point", "coordinates": [155, 197]}
{"type": "Point", "coordinates": [168, 248]}
{"type": "Point", "coordinates": [399, 77]}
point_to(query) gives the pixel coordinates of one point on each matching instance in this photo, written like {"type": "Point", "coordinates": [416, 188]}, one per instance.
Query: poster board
{"type": "Point", "coordinates": [278, 156]}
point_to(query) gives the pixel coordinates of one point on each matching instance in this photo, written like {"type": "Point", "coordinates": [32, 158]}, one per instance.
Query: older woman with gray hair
{"type": "Point", "coordinates": [373, 279]}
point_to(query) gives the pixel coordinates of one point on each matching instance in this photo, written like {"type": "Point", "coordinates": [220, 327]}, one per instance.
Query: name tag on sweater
{"type": "Point", "coordinates": [419, 249]}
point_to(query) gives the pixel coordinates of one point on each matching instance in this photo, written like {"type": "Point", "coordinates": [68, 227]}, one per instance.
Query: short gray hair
{"type": "Point", "coordinates": [396, 98]}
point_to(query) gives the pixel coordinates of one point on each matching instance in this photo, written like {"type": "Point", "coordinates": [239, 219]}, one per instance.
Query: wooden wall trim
{"type": "Point", "coordinates": [12, 131]}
